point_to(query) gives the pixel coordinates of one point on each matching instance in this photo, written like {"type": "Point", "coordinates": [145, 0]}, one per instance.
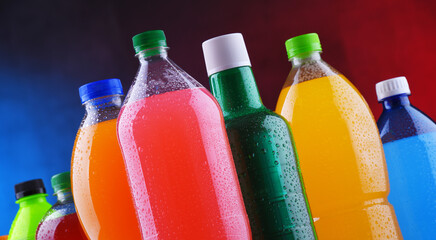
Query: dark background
{"type": "Point", "coordinates": [50, 48]}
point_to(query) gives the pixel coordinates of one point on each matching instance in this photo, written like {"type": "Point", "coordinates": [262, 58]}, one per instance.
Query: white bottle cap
{"type": "Point", "coordinates": [225, 52]}
{"type": "Point", "coordinates": [392, 87]}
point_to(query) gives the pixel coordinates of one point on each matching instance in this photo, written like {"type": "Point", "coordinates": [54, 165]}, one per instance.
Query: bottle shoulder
{"type": "Point", "coordinates": [92, 118]}
{"type": "Point", "coordinates": [101, 109]}
{"type": "Point", "coordinates": [30, 214]}
{"type": "Point", "coordinates": [308, 71]}
{"type": "Point", "coordinates": [157, 77]}
{"type": "Point", "coordinates": [258, 132]}
{"type": "Point", "coordinates": [198, 97]}
{"type": "Point", "coordinates": [262, 119]}
{"type": "Point", "coordinates": [36, 207]}
{"type": "Point", "coordinates": [60, 209]}
{"type": "Point", "coordinates": [402, 122]}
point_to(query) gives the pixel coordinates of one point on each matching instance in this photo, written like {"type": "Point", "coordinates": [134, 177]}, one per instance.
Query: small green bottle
{"type": "Point", "coordinates": [262, 146]}
{"type": "Point", "coordinates": [31, 196]}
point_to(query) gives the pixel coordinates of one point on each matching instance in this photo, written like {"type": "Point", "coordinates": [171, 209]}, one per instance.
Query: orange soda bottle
{"type": "Point", "coordinates": [99, 182]}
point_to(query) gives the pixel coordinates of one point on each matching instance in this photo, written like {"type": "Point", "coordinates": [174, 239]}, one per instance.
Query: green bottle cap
{"type": "Point", "coordinates": [61, 181]}
{"type": "Point", "coordinates": [302, 44]}
{"type": "Point", "coordinates": [149, 39]}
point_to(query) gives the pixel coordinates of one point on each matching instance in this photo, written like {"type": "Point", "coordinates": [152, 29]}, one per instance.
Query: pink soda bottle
{"type": "Point", "coordinates": [174, 143]}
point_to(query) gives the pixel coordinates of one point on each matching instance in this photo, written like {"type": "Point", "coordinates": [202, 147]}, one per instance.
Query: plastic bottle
{"type": "Point", "coordinates": [409, 141]}
{"type": "Point", "coordinates": [101, 192]}
{"type": "Point", "coordinates": [30, 196]}
{"type": "Point", "coordinates": [261, 143]}
{"type": "Point", "coordinates": [172, 135]}
{"type": "Point", "coordinates": [61, 221]}
{"type": "Point", "coordinates": [341, 155]}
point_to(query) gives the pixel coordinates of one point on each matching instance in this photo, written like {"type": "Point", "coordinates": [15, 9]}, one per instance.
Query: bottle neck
{"type": "Point", "coordinates": [303, 58]}
{"type": "Point", "coordinates": [102, 109]}
{"type": "Point", "coordinates": [100, 104]}
{"type": "Point", "coordinates": [32, 199]}
{"type": "Point", "coordinates": [152, 54]}
{"type": "Point", "coordinates": [64, 195]}
{"type": "Point", "coordinates": [396, 101]}
{"type": "Point", "coordinates": [236, 91]}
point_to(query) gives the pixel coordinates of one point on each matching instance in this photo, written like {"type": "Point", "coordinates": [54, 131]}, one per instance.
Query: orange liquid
{"type": "Point", "coordinates": [99, 183]}
{"type": "Point", "coordinates": [341, 159]}
{"type": "Point", "coordinates": [181, 168]}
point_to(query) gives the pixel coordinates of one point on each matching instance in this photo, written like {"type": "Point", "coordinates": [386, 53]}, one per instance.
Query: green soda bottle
{"type": "Point", "coordinates": [261, 143]}
{"type": "Point", "coordinates": [31, 196]}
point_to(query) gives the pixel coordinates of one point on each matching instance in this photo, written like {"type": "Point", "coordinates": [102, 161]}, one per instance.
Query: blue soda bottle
{"type": "Point", "coordinates": [409, 142]}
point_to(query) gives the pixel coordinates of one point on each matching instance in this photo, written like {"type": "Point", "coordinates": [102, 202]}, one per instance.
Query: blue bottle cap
{"type": "Point", "coordinates": [100, 88]}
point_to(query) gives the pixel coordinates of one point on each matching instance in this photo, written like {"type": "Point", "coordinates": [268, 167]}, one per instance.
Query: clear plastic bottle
{"type": "Point", "coordinates": [409, 141]}
{"type": "Point", "coordinates": [340, 151]}
{"type": "Point", "coordinates": [262, 145]}
{"type": "Point", "coordinates": [61, 221]}
{"type": "Point", "coordinates": [31, 196]}
{"type": "Point", "coordinates": [172, 135]}
{"type": "Point", "coordinates": [101, 192]}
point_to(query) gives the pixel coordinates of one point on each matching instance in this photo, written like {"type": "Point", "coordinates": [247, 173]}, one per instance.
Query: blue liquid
{"type": "Point", "coordinates": [411, 163]}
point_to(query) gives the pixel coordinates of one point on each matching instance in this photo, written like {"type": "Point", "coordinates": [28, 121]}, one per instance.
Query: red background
{"type": "Point", "coordinates": [368, 41]}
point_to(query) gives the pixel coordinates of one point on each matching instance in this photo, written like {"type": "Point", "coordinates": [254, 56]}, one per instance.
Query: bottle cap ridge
{"type": "Point", "coordinates": [61, 181]}
{"type": "Point", "coordinates": [225, 52]}
{"type": "Point", "coordinates": [302, 44]}
{"type": "Point", "coordinates": [392, 87]}
{"type": "Point", "coordinates": [100, 88]}
{"type": "Point", "coordinates": [28, 188]}
{"type": "Point", "coordinates": [149, 39]}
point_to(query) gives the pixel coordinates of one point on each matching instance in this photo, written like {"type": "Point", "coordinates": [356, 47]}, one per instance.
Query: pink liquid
{"type": "Point", "coordinates": [181, 169]}
{"type": "Point", "coordinates": [63, 228]}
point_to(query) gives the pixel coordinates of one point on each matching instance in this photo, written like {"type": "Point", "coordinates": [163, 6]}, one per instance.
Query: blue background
{"type": "Point", "coordinates": [50, 48]}
{"type": "Point", "coordinates": [47, 51]}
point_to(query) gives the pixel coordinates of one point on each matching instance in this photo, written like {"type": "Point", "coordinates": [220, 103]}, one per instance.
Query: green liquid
{"type": "Point", "coordinates": [265, 160]}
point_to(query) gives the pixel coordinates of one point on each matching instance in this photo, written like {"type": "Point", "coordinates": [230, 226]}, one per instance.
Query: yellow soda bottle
{"type": "Point", "coordinates": [341, 155]}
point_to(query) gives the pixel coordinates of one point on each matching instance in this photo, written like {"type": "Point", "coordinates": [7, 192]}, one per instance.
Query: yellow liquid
{"type": "Point", "coordinates": [341, 159]}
